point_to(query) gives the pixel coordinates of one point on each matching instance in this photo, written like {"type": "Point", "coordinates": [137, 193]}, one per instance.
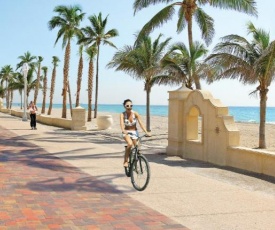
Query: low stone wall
{"type": "Point", "coordinates": [5, 110]}
{"type": "Point", "coordinates": [62, 122]}
{"type": "Point", "coordinates": [258, 161]}
{"type": "Point", "coordinates": [44, 119]}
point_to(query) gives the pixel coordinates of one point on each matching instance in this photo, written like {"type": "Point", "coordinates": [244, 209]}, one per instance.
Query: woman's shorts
{"type": "Point", "coordinates": [133, 134]}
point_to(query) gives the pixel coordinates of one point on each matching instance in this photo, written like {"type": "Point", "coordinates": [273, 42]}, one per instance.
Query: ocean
{"type": "Point", "coordinates": [240, 113]}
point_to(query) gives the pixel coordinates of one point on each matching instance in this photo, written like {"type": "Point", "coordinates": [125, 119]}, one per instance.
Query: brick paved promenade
{"type": "Point", "coordinates": [53, 178]}
{"type": "Point", "coordinates": [40, 191]}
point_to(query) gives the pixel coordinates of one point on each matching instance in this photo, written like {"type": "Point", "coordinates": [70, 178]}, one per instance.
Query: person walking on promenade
{"type": "Point", "coordinates": [128, 124]}
{"type": "Point", "coordinates": [33, 109]}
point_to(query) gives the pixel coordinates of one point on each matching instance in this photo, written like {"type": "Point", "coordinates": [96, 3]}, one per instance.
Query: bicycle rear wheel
{"type": "Point", "coordinates": [140, 173]}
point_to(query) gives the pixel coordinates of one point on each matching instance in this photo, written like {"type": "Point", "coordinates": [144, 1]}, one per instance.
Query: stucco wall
{"type": "Point", "coordinates": [200, 128]}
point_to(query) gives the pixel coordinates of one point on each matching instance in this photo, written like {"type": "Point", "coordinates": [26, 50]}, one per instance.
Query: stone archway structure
{"type": "Point", "coordinates": [200, 127]}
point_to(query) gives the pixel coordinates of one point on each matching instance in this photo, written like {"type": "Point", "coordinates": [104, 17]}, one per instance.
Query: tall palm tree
{"type": "Point", "coordinates": [142, 61]}
{"type": "Point", "coordinates": [91, 52]}
{"type": "Point", "coordinates": [184, 65]}
{"type": "Point", "coordinates": [7, 74]}
{"type": "Point", "coordinates": [40, 59]}
{"type": "Point", "coordinates": [68, 20]}
{"type": "Point", "coordinates": [79, 74]}
{"type": "Point", "coordinates": [55, 64]}
{"type": "Point", "coordinates": [96, 35]}
{"type": "Point", "coordinates": [45, 81]}
{"type": "Point", "coordinates": [249, 62]}
{"type": "Point", "coordinates": [189, 9]}
{"type": "Point", "coordinates": [30, 60]}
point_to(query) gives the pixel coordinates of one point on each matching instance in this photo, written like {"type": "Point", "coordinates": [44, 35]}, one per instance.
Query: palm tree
{"type": "Point", "coordinates": [40, 59]}
{"type": "Point", "coordinates": [189, 9]}
{"type": "Point", "coordinates": [7, 74]}
{"type": "Point", "coordinates": [249, 62]}
{"type": "Point", "coordinates": [183, 65]}
{"type": "Point", "coordinates": [30, 60]}
{"type": "Point", "coordinates": [68, 20]}
{"type": "Point", "coordinates": [91, 52]}
{"type": "Point", "coordinates": [11, 88]}
{"type": "Point", "coordinates": [142, 61]}
{"type": "Point", "coordinates": [95, 35]}
{"type": "Point", "coordinates": [26, 58]}
{"type": "Point", "coordinates": [79, 75]}
{"type": "Point", "coordinates": [45, 71]}
{"type": "Point", "coordinates": [55, 64]}
{"type": "Point", "coordinates": [18, 84]}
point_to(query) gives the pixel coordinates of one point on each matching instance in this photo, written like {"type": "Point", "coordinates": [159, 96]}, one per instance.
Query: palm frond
{"type": "Point", "coordinates": [246, 6]}
{"type": "Point", "coordinates": [140, 4]}
{"type": "Point", "coordinates": [206, 24]}
{"type": "Point", "coordinates": [159, 19]}
{"type": "Point", "coordinates": [181, 24]}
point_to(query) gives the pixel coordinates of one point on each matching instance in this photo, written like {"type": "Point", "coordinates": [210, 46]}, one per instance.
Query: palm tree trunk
{"type": "Point", "coordinates": [190, 32]}
{"type": "Point", "coordinates": [79, 79]}
{"type": "Point", "coordinates": [90, 90]}
{"type": "Point", "coordinates": [96, 82]}
{"type": "Point", "coordinates": [263, 99]}
{"type": "Point", "coordinates": [11, 98]}
{"type": "Point", "coordinates": [65, 79]}
{"type": "Point", "coordinates": [190, 40]}
{"type": "Point", "coordinates": [7, 95]}
{"type": "Point", "coordinates": [70, 98]}
{"type": "Point", "coordinates": [148, 126]}
{"type": "Point", "coordinates": [37, 85]}
{"type": "Point", "coordinates": [44, 94]}
{"type": "Point", "coordinates": [52, 90]}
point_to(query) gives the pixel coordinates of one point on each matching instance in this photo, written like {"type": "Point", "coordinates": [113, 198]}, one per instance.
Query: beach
{"type": "Point", "coordinates": [249, 132]}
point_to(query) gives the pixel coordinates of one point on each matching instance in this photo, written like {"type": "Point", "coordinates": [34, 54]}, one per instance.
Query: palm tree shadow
{"type": "Point", "coordinates": [87, 184]}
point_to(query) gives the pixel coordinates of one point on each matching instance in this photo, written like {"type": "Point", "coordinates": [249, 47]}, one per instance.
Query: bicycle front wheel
{"type": "Point", "coordinates": [140, 173]}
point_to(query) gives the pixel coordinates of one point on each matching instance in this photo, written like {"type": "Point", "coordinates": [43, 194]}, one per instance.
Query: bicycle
{"type": "Point", "coordinates": [138, 167]}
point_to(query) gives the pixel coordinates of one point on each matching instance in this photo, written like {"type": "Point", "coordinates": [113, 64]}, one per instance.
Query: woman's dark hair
{"type": "Point", "coordinates": [125, 101]}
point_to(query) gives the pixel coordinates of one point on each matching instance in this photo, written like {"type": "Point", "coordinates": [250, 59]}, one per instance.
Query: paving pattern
{"type": "Point", "coordinates": [40, 191]}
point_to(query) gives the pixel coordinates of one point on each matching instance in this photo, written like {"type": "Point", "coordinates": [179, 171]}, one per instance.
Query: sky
{"type": "Point", "coordinates": [24, 27]}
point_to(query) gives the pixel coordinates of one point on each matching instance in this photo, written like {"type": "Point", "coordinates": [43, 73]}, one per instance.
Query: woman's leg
{"type": "Point", "coordinates": [31, 116]}
{"type": "Point", "coordinates": [129, 142]}
{"type": "Point", "coordinates": [34, 121]}
{"type": "Point", "coordinates": [31, 120]}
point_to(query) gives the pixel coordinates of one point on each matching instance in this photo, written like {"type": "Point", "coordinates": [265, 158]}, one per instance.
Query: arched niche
{"type": "Point", "coordinates": [194, 123]}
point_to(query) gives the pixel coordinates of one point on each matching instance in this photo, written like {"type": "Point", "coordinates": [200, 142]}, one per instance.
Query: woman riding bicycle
{"type": "Point", "coordinates": [128, 124]}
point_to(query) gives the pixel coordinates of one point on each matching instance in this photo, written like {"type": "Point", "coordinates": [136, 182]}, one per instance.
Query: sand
{"type": "Point", "coordinates": [249, 132]}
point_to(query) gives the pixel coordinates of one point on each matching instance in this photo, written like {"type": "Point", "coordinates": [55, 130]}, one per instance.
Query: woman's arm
{"type": "Point", "coordinates": [122, 123]}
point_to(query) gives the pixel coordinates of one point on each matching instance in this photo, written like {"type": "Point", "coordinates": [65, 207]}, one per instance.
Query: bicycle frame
{"type": "Point", "coordinates": [135, 150]}
{"type": "Point", "coordinates": [133, 156]}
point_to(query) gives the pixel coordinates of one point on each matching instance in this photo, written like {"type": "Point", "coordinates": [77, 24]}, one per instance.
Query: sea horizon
{"type": "Point", "coordinates": [250, 114]}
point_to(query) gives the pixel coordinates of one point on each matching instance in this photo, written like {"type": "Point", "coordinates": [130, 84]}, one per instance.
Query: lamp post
{"type": "Point", "coordinates": [25, 70]}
